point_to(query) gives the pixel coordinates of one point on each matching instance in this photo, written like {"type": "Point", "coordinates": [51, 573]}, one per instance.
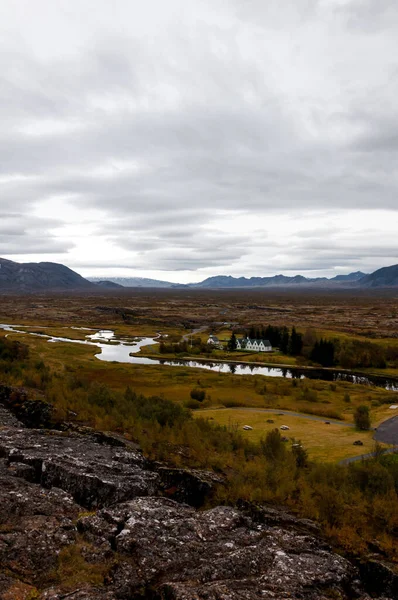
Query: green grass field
{"type": "Point", "coordinates": [227, 391]}
{"type": "Point", "coordinates": [329, 443]}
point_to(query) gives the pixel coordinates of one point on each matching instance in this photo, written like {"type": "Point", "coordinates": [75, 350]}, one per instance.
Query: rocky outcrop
{"type": "Point", "coordinates": [135, 543]}
{"type": "Point", "coordinates": [95, 474]}
{"type": "Point", "coordinates": [32, 413]}
{"type": "Point", "coordinates": [378, 576]}
{"type": "Point", "coordinates": [35, 524]}
{"type": "Point", "coordinates": [180, 553]}
{"type": "Point", "coordinates": [193, 487]}
{"type": "Point", "coordinates": [7, 419]}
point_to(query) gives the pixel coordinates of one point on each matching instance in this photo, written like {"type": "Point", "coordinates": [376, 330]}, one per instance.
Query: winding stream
{"type": "Point", "coordinates": [124, 350]}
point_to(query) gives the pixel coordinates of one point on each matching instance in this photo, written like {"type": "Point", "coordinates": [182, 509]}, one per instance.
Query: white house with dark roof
{"type": "Point", "coordinates": [214, 341]}
{"type": "Point", "coordinates": [254, 345]}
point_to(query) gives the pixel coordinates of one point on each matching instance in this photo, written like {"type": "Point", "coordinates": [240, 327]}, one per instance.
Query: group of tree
{"type": "Point", "coordinates": [288, 342]}
{"type": "Point", "coordinates": [193, 346]}
{"type": "Point", "coordinates": [349, 354]}
{"type": "Point", "coordinates": [362, 354]}
{"type": "Point", "coordinates": [323, 353]}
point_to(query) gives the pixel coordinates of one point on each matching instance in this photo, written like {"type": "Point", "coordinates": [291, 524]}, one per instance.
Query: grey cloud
{"type": "Point", "coordinates": [161, 133]}
{"type": "Point", "coordinates": [21, 234]}
{"type": "Point", "coordinates": [368, 15]}
{"type": "Point", "coordinates": [12, 244]}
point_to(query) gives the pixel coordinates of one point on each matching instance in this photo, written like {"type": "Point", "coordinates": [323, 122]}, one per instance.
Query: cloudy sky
{"type": "Point", "coordinates": [189, 138]}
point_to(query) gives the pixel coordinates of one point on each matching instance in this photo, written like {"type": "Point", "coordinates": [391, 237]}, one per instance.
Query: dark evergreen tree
{"type": "Point", "coordinates": [323, 353]}
{"type": "Point", "coordinates": [232, 343]}
{"type": "Point", "coordinates": [284, 341]}
{"type": "Point", "coordinates": [295, 343]}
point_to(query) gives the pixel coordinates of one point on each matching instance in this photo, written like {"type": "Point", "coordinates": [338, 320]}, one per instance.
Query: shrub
{"type": "Point", "coordinates": [192, 404]}
{"type": "Point", "coordinates": [100, 395]}
{"type": "Point", "coordinates": [10, 350]}
{"type": "Point", "coordinates": [309, 395]}
{"type": "Point", "coordinates": [299, 453]}
{"type": "Point", "coordinates": [272, 445]}
{"type": "Point", "coordinates": [197, 394]}
{"type": "Point", "coordinates": [362, 417]}
{"type": "Point", "coordinates": [165, 412]}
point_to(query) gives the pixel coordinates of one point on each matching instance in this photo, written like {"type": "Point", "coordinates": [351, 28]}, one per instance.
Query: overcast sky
{"type": "Point", "coordinates": [190, 138]}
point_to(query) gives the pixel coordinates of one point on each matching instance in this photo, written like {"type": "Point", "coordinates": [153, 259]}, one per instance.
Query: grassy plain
{"type": "Point", "coordinates": [363, 312]}
{"type": "Point", "coordinates": [355, 504]}
{"type": "Point", "coordinates": [177, 312]}
{"type": "Point", "coordinates": [328, 443]}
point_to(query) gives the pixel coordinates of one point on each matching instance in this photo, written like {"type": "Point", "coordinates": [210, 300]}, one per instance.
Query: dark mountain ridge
{"type": "Point", "coordinates": [134, 282]}
{"type": "Point", "coordinates": [226, 281]}
{"type": "Point", "coordinates": [385, 277]}
{"type": "Point", "coordinates": [31, 277]}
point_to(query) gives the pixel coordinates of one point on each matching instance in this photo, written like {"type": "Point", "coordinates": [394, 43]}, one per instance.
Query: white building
{"type": "Point", "coordinates": [214, 341]}
{"type": "Point", "coordinates": [254, 345]}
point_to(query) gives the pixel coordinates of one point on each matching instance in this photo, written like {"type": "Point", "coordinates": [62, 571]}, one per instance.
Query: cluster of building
{"type": "Point", "coordinates": [246, 343]}
{"type": "Point", "coordinates": [259, 345]}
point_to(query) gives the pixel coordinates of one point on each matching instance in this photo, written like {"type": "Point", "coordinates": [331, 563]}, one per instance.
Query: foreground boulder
{"type": "Point", "coordinates": [94, 474]}
{"type": "Point", "coordinates": [35, 524]}
{"type": "Point", "coordinates": [183, 554]}
{"type": "Point", "coordinates": [135, 543]}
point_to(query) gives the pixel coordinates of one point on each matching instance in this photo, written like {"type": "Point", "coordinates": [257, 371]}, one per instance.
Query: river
{"type": "Point", "coordinates": [124, 350]}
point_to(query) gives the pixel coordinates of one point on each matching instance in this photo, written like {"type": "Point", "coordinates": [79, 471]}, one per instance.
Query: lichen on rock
{"type": "Point", "coordinates": [135, 542]}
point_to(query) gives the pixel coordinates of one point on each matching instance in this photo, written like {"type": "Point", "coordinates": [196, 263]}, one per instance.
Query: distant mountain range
{"type": "Point", "coordinates": [33, 277]}
{"type": "Point", "coordinates": [133, 282]}
{"type": "Point", "coordinates": [226, 281]}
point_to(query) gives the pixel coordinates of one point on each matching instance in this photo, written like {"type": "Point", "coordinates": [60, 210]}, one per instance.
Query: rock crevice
{"type": "Point", "coordinates": [140, 541]}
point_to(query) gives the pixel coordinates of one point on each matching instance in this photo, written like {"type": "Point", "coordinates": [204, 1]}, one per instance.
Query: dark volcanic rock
{"type": "Point", "coordinates": [147, 546]}
{"type": "Point", "coordinates": [82, 593]}
{"type": "Point", "coordinates": [94, 474]}
{"type": "Point", "coordinates": [13, 589]}
{"type": "Point", "coordinates": [192, 487]}
{"type": "Point", "coordinates": [35, 524]}
{"type": "Point", "coordinates": [378, 576]}
{"type": "Point", "coordinates": [182, 554]}
{"type": "Point", "coordinates": [7, 419]}
{"type": "Point", "coordinates": [32, 413]}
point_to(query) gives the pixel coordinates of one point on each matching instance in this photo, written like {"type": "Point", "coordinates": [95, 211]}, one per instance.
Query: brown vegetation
{"type": "Point", "coordinates": [355, 504]}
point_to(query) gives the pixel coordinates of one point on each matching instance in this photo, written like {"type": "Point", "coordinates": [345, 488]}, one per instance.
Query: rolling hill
{"type": "Point", "coordinates": [385, 277]}
{"type": "Point", "coordinates": [226, 281]}
{"type": "Point", "coordinates": [31, 277]}
{"type": "Point", "coordinates": [134, 282]}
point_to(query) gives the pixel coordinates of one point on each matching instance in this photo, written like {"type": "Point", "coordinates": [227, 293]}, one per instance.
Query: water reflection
{"type": "Point", "coordinates": [124, 350]}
